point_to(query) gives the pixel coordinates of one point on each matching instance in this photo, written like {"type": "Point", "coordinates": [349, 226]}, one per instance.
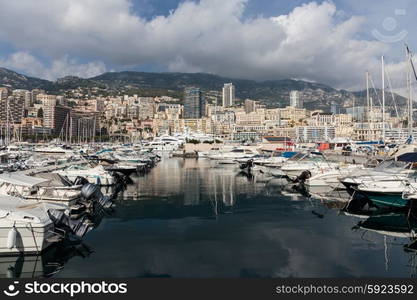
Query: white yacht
{"type": "Point", "coordinates": [52, 150]}
{"type": "Point", "coordinates": [390, 170]}
{"type": "Point", "coordinates": [231, 157]}
{"type": "Point", "coordinates": [51, 188]}
{"type": "Point", "coordinates": [295, 166]}
{"type": "Point", "coordinates": [25, 226]}
{"type": "Point", "coordinates": [330, 176]}
{"type": "Point", "coordinates": [97, 175]}
{"type": "Point", "coordinates": [165, 143]}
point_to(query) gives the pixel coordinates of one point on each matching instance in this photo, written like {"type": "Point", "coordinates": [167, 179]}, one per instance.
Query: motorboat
{"type": "Point", "coordinates": [125, 168]}
{"type": "Point", "coordinates": [329, 177]}
{"type": "Point", "coordinates": [231, 157]}
{"type": "Point", "coordinates": [52, 150]}
{"type": "Point", "coordinates": [49, 187]}
{"type": "Point", "coordinates": [165, 143]}
{"type": "Point", "coordinates": [25, 226]}
{"type": "Point", "coordinates": [308, 165]}
{"type": "Point", "coordinates": [96, 175]}
{"type": "Point", "coordinates": [387, 193]}
{"type": "Point", "coordinates": [390, 170]}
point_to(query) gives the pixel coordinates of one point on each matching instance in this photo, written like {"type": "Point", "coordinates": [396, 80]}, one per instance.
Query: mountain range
{"type": "Point", "coordinates": [272, 93]}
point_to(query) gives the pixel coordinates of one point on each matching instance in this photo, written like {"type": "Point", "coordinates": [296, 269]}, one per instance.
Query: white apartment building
{"type": "Point", "coordinates": [295, 99]}
{"type": "Point", "coordinates": [228, 95]}
{"type": "Point", "coordinates": [312, 134]}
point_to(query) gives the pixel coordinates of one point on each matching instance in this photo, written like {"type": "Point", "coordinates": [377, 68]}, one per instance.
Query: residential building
{"type": "Point", "coordinates": [228, 95]}
{"type": "Point", "coordinates": [315, 133]}
{"type": "Point", "coordinates": [194, 103]}
{"type": "Point", "coordinates": [250, 106]}
{"type": "Point", "coordinates": [55, 117]}
{"type": "Point", "coordinates": [11, 109]}
{"type": "Point", "coordinates": [295, 99]}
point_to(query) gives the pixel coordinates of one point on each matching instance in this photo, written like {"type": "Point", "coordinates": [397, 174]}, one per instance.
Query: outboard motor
{"type": "Point", "coordinates": [92, 192]}
{"type": "Point", "coordinates": [77, 227]}
{"type": "Point", "coordinates": [89, 191]}
{"type": "Point", "coordinates": [247, 165]}
{"type": "Point", "coordinates": [303, 176]}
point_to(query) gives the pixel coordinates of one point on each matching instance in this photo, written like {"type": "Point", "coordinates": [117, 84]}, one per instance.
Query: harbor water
{"type": "Point", "coordinates": [188, 218]}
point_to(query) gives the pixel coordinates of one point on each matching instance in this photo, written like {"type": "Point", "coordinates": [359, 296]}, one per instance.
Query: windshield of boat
{"type": "Point", "coordinates": [298, 156]}
{"type": "Point", "coordinates": [238, 150]}
{"type": "Point", "coordinates": [391, 164]}
{"type": "Point", "coordinates": [307, 157]}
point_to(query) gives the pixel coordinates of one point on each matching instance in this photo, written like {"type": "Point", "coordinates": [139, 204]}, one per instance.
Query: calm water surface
{"type": "Point", "coordinates": [187, 219]}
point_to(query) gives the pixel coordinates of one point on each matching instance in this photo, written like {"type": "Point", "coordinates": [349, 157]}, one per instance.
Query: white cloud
{"type": "Point", "coordinates": [30, 65]}
{"type": "Point", "coordinates": [313, 41]}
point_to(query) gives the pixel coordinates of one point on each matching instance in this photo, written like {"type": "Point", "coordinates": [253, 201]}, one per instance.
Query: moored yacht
{"type": "Point", "coordinates": [311, 163]}
{"type": "Point", "coordinates": [25, 226]}
{"type": "Point", "coordinates": [48, 188]}
{"type": "Point", "coordinates": [96, 175]}
{"type": "Point", "coordinates": [231, 157]}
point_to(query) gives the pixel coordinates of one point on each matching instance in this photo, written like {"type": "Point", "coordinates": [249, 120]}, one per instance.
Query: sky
{"type": "Point", "coordinates": [331, 42]}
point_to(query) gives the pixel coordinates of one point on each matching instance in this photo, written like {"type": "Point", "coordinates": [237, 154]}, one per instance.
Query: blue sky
{"type": "Point", "coordinates": [333, 42]}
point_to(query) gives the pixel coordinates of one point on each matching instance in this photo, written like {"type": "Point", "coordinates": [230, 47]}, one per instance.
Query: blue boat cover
{"type": "Point", "coordinates": [408, 157]}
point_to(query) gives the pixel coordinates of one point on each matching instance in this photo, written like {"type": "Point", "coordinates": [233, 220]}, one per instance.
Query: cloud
{"type": "Point", "coordinates": [30, 65]}
{"type": "Point", "coordinates": [315, 41]}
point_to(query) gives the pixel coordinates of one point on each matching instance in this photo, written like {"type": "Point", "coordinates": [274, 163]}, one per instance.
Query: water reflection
{"type": "Point", "coordinates": [46, 264]}
{"type": "Point", "coordinates": [190, 218]}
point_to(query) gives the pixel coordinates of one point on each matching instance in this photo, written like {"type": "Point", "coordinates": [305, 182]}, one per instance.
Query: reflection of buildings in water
{"type": "Point", "coordinates": [194, 180]}
{"type": "Point", "coordinates": [163, 180]}
{"type": "Point", "coordinates": [192, 183]}
{"type": "Point", "coordinates": [223, 187]}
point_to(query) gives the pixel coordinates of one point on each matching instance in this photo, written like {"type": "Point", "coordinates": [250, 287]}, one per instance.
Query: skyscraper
{"type": "Point", "coordinates": [228, 94]}
{"type": "Point", "coordinates": [295, 99]}
{"type": "Point", "coordinates": [194, 103]}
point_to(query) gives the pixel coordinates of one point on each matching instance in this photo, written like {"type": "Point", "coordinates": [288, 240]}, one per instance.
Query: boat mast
{"type": "Point", "coordinates": [368, 104]}
{"type": "Point", "coordinates": [383, 98]}
{"type": "Point", "coordinates": [410, 92]}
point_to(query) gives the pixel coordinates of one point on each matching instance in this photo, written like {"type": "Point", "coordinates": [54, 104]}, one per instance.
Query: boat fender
{"type": "Point", "coordinates": [98, 182]}
{"type": "Point", "coordinates": [11, 238]}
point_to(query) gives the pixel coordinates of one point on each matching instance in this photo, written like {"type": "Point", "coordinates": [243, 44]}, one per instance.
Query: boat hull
{"type": "Point", "coordinates": [29, 240]}
{"type": "Point", "coordinates": [386, 199]}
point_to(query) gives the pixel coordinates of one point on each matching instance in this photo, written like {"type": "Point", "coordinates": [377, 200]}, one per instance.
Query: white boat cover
{"type": "Point", "coordinates": [20, 210]}
{"type": "Point", "coordinates": [20, 179]}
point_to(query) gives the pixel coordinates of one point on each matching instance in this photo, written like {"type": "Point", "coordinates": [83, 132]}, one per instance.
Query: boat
{"type": "Point", "coordinates": [386, 189]}
{"type": "Point", "coordinates": [329, 177]}
{"type": "Point", "coordinates": [53, 150]}
{"type": "Point", "coordinates": [231, 157]}
{"type": "Point", "coordinates": [307, 165]}
{"type": "Point", "coordinates": [388, 193]}
{"type": "Point", "coordinates": [125, 168]}
{"type": "Point", "coordinates": [389, 170]}
{"type": "Point", "coordinates": [49, 187]}
{"type": "Point", "coordinates": [25, 226]}
{"type": "Point", "coordinates": [96, 175]}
